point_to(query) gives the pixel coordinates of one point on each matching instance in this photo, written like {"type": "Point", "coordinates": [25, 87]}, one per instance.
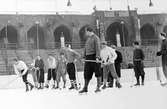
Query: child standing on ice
{"type": "Point", "coordinates": [72, 56]}
{"type": "Point", "coordinates": [61, 70]}
{"type": "Point", "coordinates": [33, 72]}
{"type": "Point", "coordinates": [108, 56]}
{"type": "Point", "coordinates": [138, 57]}
{"type": "Point", "coordinates": [52, 67]}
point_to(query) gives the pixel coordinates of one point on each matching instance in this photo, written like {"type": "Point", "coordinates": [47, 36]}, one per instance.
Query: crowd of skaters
{"type": "Point", "coordinates": [59, 66]}
{"type": "Point", "coordinates": [99, 58]}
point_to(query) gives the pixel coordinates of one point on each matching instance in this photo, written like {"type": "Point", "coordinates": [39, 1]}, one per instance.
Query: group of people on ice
{"type": "Point", "coordinates": [58, 66]}
{"type": "Point", "coordinates": [99, 58]}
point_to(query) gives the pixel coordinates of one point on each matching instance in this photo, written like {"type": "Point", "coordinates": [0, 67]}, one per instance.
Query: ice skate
{"type": "Point", "coordinates": [72, 87]}
{"type": "Point", "coordinates": [47, 86]}
{"type": "Point", "coordinates": [31, 87]}
{"type": "Point", "coordinates": [118, 85]}
{"type": "Point", "coordinates": [53, 87]}
{"type": "Point", "coordinates": [135, 85]}
{"type": "Point", "coordinates": [110, 85]}
{"type": "Point", "coordinates": [97, 90]}
{"type": "Point", "coordinates": [57, 87]}
{"type": "Point", "coordinates": [104, 86]}
{"type": "Point", "coordinates": [83, 91]}
{"type": "Point", "coordinates": [76, 87]}
{"type": "Point", "coordinates": [27, 89]}
{"type": "Point", "coordinates": [40, 87]}
{"type": "Point", "coordinates": [164, 84]}
{"type": "Point", "coordinates": [36, 86]}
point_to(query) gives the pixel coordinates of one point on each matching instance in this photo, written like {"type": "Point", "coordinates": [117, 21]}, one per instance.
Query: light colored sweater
{"type": "Point", "coordinates": [52, 63]}
{"type": "Point", "coordinates": [108, 55]}
{"type": "Point", "coordinates": [19, 67]}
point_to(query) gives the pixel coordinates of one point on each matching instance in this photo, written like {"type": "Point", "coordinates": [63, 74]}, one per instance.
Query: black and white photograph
{"type": "Point", "coordinates": [83, 54]}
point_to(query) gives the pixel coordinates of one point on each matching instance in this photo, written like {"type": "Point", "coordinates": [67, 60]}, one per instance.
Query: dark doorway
{"type": "Point", "coordinates": [114, 29]}
{"type": "Point", "coordinates": [36, 37]}
{"type": "Point", "coordinates": [58, 32]}
{"type": "Point", "coordinates": [147, 33]}
{"type": "Point", "coordinates": [9, 35]}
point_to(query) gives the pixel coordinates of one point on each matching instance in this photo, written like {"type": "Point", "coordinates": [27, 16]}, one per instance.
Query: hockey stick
{"type": "Point", "coordinates": [78, 81]}
{"type": "Point", "coordinates": [33, 72]}
{"type": "Point", "coordinates": [93, 61]}
{"type": "Point", "coordinates": [133, 79]}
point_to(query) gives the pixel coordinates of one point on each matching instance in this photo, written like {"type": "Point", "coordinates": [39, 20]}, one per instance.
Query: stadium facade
{"type": "Point", "coordinates": [22, 32]}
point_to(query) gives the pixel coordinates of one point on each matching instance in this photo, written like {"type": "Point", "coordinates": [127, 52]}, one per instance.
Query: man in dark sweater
{"type": "Point", "coordinates": [91, 52]}
{"type": "Point", "coordinates": [138, 57]}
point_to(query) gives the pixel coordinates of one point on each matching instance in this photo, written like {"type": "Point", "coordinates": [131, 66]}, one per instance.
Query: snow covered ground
{"type": "Point", "coordinates": [150, 96]}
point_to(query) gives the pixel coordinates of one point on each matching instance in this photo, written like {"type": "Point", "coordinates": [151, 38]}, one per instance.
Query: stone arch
{"type": "Point", "coordinates": [114, 29]}
{"type": "Point", "coordinates": [9, 35]}
{"type": "Point", "coordinates": [147, 33]}
{"type": "Point", "coordinates": [34, 34]}
{"type": "Point", "coordinates": [62, 30]}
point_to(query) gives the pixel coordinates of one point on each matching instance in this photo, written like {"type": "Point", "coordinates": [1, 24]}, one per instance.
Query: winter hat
{"type": "Point", "coordinates": [163, 34]}
{"type": "Point", "coordinates": [113, 46]}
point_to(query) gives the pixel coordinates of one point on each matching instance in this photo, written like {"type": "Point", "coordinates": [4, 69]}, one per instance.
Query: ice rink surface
{"type": "Point", "coordinates": [150, 96]}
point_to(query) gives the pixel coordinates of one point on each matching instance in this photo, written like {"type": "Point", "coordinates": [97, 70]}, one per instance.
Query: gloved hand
{"type": "Point", "coordinates": [158, 53]}
{"type": "Point", "coordinates": [98, 60]}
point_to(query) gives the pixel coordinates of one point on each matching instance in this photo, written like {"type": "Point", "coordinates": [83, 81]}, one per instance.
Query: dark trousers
{"type": "Point", "coordinates": [40, 75]}
{"type": "Point", "coordinates": [24, 77]}
{"type": "Point", "coordinates": [139, 68]}
{"type": "Point", "coordinates": [139, 71]}
{"type": "Point", "coordinates": [118, 71]}
{"type": "Point", "coordinates": [51, 74]}
{"type": "Point", "coordinates": [91, 67]}
{"type": "Point", "coordinates": [71, 71]}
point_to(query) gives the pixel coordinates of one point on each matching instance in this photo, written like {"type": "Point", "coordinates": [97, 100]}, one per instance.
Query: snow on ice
{"type": "Point", "coordinates": [150, 96]}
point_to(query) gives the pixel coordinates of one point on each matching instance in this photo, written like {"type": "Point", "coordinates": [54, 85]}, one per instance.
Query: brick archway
{"type": "Point", "coordinates": [9, 34]}
{"type": "Point", "coordinates": [147, 33]}
{"type": "Point", "coordinates": [35, 33]}
{"type": "Point", "coordinates": [117, 28]}
{"type": "Point", "coordinates": [62, 30]}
